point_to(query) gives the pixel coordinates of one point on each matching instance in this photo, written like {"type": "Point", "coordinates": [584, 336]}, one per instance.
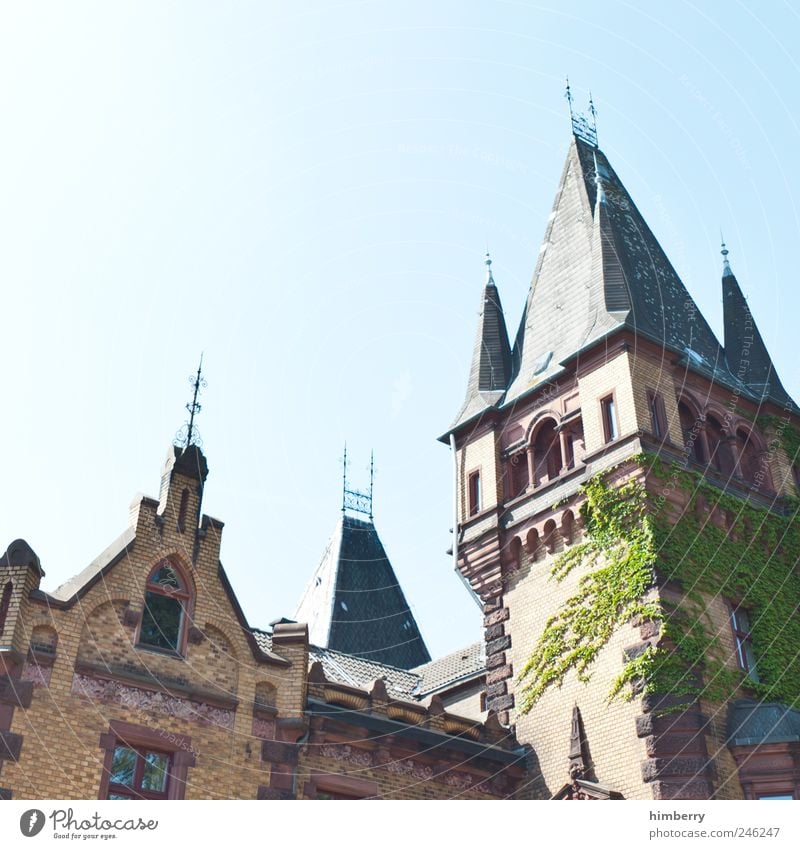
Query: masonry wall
{"type": "Point", "coordinates": [88, 673]}
{"type": "Point", "coordinates": [616, 751]}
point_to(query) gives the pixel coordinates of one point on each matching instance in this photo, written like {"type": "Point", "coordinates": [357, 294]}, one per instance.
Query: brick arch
{"type": "Point", "coordinates": [541, 415]}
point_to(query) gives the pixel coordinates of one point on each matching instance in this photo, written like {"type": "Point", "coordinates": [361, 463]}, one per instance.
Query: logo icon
{"type": "Point", "coordinates": [31, 822]}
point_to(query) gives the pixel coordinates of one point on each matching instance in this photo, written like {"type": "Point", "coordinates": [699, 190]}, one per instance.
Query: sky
{"type": "Point", "coordinates": [304, 192]}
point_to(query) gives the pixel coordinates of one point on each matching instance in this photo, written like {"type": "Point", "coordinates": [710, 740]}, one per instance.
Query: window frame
{"type": "Point", "coordinates": [178, 747]}
{"type": "Point", "coordinates": [321, 784]}
{"type": "Point", "coordinates": [185, 598]}
{"type": "Point", "coordinates": [743, 639]}
{"type": "Point", "coordinates": [135, 790]}
{"type": "Point", "coordinates": [474, 493]}
{"type": "Point", "coordinates": [608, 416]}
{"type": "Point", "coordinates": [658, 414]}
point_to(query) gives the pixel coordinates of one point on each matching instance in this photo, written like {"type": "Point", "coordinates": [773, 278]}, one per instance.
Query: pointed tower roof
{"type": "Point", "coordinates": [491, 359]}
{"type": "Point", "coordinates": [745, 350]}
{"type": "Point", "coordinates": [354, 603]}
{"type": "Point", "coordinates": [601, 268]}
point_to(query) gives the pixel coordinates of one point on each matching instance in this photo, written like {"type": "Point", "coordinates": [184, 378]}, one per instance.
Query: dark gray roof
{"type": "Point", "coordinates": [491, 359]}
{"type": "Point", "coordinates": [354, 603]}
{"type": "Point", "coordinates": [444, 672]}
{"type": "Point", "coordinates": [745, 350]}
{"type": "Point", "coordinates": [751, 723]}
{"type": "Point", "coordinates": [358, 672]}
{"type": "Point", "coordinates": [410, 684]}
{"type": "Point", "coordinates": [600, 269]}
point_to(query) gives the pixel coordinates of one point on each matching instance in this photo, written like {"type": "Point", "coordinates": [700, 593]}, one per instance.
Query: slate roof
{"type": "Point", "coordinates": [491, 359]}
{"type": "Point", "coordinates": [354, 603]}
{"type": "Point", "coordinates": [409, 684]}
{"type": "Point", "coordinates": [601, 269]}
{"type": "Point", "coordinates": [745, 350]}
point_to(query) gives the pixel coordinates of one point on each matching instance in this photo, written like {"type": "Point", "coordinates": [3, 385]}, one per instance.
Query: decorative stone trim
{"type": "Point", "coordinates": [457, 725]}
{"type": "Point", "coordinates": [115, 692]}
{"type": "Point", "coordinates": [37, 674]}
{"type": "Point", "coordinates": [346, 697]}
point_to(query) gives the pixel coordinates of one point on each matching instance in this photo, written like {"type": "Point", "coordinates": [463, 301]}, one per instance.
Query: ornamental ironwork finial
{"type": "Point", "coordinates": [188, 434]}
{"type": "Point", "coordinates": [489, 276]}
{"type": "Point", "coordinates": [354, 499]}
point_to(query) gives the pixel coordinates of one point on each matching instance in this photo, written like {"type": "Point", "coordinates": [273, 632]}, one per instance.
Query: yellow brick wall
{"type": "Point", "coordinates": [613, 376]}
{"type": "Point", "coordinates": [617, 752]}
{"type": "Point", "coordinates": [648, 373]}
{"type": "Point", "coordinates": [481, 453]}
{"type": "Point", "coordinates": [61, 756]}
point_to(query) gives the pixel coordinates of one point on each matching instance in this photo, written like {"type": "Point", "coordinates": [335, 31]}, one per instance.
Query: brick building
{"type": "Point", "coordinates": [625, 495]}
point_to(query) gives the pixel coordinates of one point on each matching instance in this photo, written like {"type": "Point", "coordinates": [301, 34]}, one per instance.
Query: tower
{"type": "Point", "coordinates": [625, 493]}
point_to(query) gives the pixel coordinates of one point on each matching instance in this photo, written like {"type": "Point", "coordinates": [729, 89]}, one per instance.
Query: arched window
{"type": "Point", "coordinates": [719, 448]}
{"type": "Point", "coordinates": [166, 601]}
{"type": "Point", "coordinates": [546, 453]}
{"type": "Point", "coordinates": [749, 463]}
{"type": "Point", "coordinates": [691, 426]}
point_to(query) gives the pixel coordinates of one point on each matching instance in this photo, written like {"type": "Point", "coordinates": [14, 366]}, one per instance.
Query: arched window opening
{"type": "Point", "coordinates": [573, 443]}
{"type": "Point", "coordinates": [5, 603]}
{"type": "Point", "coordinates": [719, 448]}
{"type": "Point", "coordinates": [546, 453]}
{"type": "Point", "coordinates": [691, 427]}
{"type": "Point", "coordinates": [517, 474]}
{"type": "Point", "coordinates": [749, 461]}
{"type": "Point", "coordinates": [166, 600]}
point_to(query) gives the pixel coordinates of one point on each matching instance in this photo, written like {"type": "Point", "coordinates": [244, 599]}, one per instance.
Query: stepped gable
{"type": "Point", "coordinates": [354, 603]}
{"type": "Point", "coordinates": [601, 269]}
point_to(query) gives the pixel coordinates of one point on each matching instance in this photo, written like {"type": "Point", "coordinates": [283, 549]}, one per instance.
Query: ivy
{"type": "Point", "coordinates": [631, 545]}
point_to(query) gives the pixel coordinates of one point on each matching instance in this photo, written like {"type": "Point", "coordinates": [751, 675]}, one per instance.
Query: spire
{"type": "Point", "coordinates": [745, 351]}
{"type": "Point", "coordinates": [354, 602]}
{"type": "Point", "coordinates": [601, 269]}
{"type": "Point", "coordinates": [491, 359]}
{"type": "Point", "coordinates": [726, 266]}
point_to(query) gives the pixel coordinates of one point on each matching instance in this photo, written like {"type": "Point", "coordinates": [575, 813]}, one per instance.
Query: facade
{"type": "Point", "coordinates": [627, 497]}
{"type": "Point", "coordinates": [626, 493]}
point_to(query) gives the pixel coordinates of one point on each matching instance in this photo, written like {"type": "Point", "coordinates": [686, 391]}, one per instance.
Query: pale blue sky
{"type": "Point", "coordinates": [305, 192]}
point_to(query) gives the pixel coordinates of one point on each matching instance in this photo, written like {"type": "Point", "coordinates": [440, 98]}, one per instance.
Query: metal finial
{"type": "Point", "coordinates": [593, 113]}
{"type": "Point", "coordinates": [568, 95]}
{"type": "Point", "coordinates": [197, 382]}
{"type": "Point", "coordinates": [726, 266]}
{"type": "Point", "coordinates": [488, 263]}
{"type": "Point", "coordinates": [354, 499]}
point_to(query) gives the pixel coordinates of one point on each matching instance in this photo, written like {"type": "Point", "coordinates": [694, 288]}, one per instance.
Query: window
{"type": "Point", "coordinates": [517, 474]}
{"type": "Point", "coordinates": [719, 447]}
{"type": "Point", "coordinates": [546, 453]}
{"type": "Point", "coordinates": [138, 774]}
{"type": "Point", "coordinates": [609, 418]}
{"type": "Point", "coordinates": [144, 763]}
{"type": "Point", "coordinates": [658, 416]}
{"type": "Point", "coordinates": [740, 622]}
{"type": "Point", "coordinates": [692, 427]}
{"type": "Point", "coordinates": [165, 607]}
{"type": "Point", "coordinates": [474, 493]}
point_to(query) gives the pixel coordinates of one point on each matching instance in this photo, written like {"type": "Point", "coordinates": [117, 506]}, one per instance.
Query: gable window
{"type": "Point", "coordinates": [138, 774]}
{"type": "Point", "coordinates": [609, 415]}
{"type": "Point", "coordinates": [658, 417]}
{"type": "Point", "coordinates": [164, 615]}
{"type": "Point", "coordinates": [474, 487]}
{"type": "Point", "coordinates": [743, 641]}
